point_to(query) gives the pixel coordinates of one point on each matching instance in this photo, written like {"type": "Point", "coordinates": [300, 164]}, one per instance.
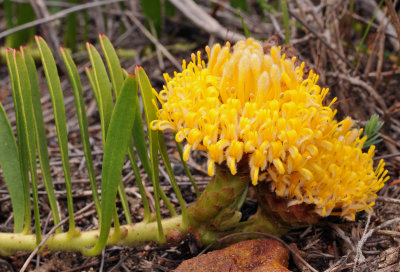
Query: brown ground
{"type": "Point", "coordinates": [364, 87]}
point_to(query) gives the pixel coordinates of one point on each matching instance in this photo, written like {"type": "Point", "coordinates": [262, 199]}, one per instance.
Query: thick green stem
{"type": "Point", "coordinates": [131, 235]}
{"type": "Point", "coordinates": [224, 191]}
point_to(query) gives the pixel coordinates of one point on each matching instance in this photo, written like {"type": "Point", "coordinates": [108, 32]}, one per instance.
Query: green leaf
{"type": "Point", "coordinates": [22, 145]}
{"type": "Point", "coordinates": [23, 13]}
{"type": "Point", "coordinates": [119, 135]}
{"type": "Point", "coordinates": [242, 4]}
{"type": "Point", "coordinates": [105, 103]}
{"type": "Point", "coordinates": [246, 31]}
{"type": "Point", "coordinates": [41, 141]}
{"type": "Point", "coordinates": [170, 172]}
{"type": "Point", "coordinates": [57, 99]}
{"type": "Point", "coordinates": [23, 91]}
{"type": "Point", "coordinates": [102, 87]}
{"type": "Point", "coordinates": [82, 120]}
{"type": "Point", "coordinates": [9, 162]}
{"type": "Point", "coordinates": [152, 10]}
{"type": "Point", "coordinates": [142, 191]}
{"type": "Point", "coordinates": [286, 21]}
{"type": "Point", "coordinates": [71, 29]}
{"type": "Point", "coordinates": [180, 151]}
{"type": "Point", "coordinates": [90, 75]}
{"type": "Point", "coordinates": [150, 112]}
{"type": "Point", "coordinates": [371, 131]}
{"type": "Point", "coordinates": [113, 64]}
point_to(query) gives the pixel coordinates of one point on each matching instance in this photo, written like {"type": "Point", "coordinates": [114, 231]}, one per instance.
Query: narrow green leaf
{"type": "Point", "coordinates": [119, 135]}
{"type": "Point", "coordinates": [24, 92]}
{"type": "Point", "coordinates": [90, 75]}
{"type": "Point", "coordinates": [170, 172]}
{"type": "Point", "coordinates": [242, 4]}
{"type": "Point", "coordinates": [41, 141]}
{"type": "Point", "coordinates": [169, 9]}
{"type": "Point", "coordinates": [286, 21]}
{"type": "Point", "coordinates": [140, 141]}
{"type": "Point", "coordinates": [150, 112]}
{"type": "Point", "coordinates": [152, 10]}
{"type": "Point", "coordinates": [57, 99]}
{"type": "Point", "coordinates": [71, 29]}
{"type": "Point", "coordinates": [180, 151]}
{"type": "Point", "coordinates": [9, 162]}
{"type": "Point", "coordinates": [246, 31]}
{"type": "Point", "coordinates": [22, 145]}
{"type": "Point", "coordinates": [23, 13]}
{"type": "Point", "coordinates": [105, 101]}
{"type": "Point", "coordinates": [82, 120]}
{"type": "Point", "coordinates": [113, 64]}
{"type": "Point", "coordinates": [142, 191]}
{"type": "Point", "coordinates": [117, 79]}
{"type": "Point", "coordinates": [103, 88]}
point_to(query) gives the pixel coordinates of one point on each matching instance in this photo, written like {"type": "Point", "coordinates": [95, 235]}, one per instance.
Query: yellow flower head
{"type": "Point", "coordinates": [245, 104]}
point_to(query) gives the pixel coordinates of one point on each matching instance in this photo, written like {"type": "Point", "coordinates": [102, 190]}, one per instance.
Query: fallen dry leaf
{"type": "Point", "coordinates": [260, 255]}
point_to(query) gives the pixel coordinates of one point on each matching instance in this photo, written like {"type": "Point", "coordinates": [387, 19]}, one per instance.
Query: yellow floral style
{"type": "Point", "coordinates": [247, 105]}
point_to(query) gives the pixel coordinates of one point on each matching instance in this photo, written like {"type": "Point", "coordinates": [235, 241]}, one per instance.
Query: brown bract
{"type": "Point", "coordinates": [248, 256]}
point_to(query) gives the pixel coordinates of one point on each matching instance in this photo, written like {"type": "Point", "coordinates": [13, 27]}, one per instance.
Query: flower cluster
{"type": "Point", "coordinates": [247, 105]}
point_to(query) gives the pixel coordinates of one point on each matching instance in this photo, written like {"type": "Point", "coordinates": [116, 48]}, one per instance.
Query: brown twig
{"type": "Point", "coordinates": [388, 199]}
{"type": "Point", "coordinates": [320, 38]}
{"type": "Point", "coordinates": [204, 21]}
{"type": "Point", "coordinates": [154, 40]}
{"type": "Point", "coordinates": [390, 233]}
{"type": "Point", "coordinates": [357, 82]}
{"type": "Point", "coordinates": [393, 16]}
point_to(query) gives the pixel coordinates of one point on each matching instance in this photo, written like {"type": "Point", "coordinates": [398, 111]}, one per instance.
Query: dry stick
{"type": "Point", "coordinates": [359, 255]}
{"type": "Point", "coordinates": [361, 19]}
{"type": "Point", "coordinates": [387, 156]}
{"type": "Point", "coordinates": [320, 38]}
{"type": "Point", "coordinates": [154, 40]}
{"type": "Point", "coordinates": [204, 21]}
{"type": "Point", "coordinates": [393, 16]}
{"type": "Point", "coordinates": [45, 238]}
{"type": "Point", "coordinates": [102, 261]}
{"type": "Point", "coordinates": [388, 199]}
{"type": "Point", "coordinates": [265, 235]}
{"type": "Point", "coordinates": [355, 81]}
{"type": "Point", "coordinates": [48, 29]}
{"type": "Point", "coordinates": [56, 16]}
{"type": "Point", "coordinates": [388, 233]}
{"type": "Point", "coordinates": [342, 235]}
